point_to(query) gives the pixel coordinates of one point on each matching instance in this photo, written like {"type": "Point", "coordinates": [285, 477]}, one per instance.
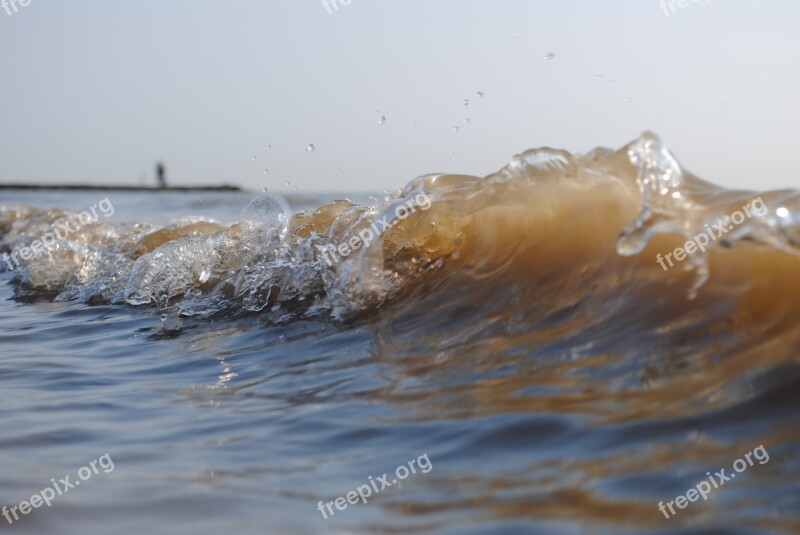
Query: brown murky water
{"type": "Point", "coordinates": [527, 330]}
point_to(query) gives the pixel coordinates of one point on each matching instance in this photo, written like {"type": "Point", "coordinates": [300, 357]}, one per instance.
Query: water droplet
{"type": "Point", "coordinates": [381, 120]}
{"type": "Point", "coordinates": [629, 100]}
{"type": "Point", "coordinates": [782, 212]}
{"type": "Point", "coordinates": [550, 56]}
{"type": "Point", "coordinates": [466, 102]}
{"type": "Point", "coordinates": [269, 147]}
{"type": "Point", "coordinates": [311, 148]}
{"type": "Point", "coordinates": [295, 188]}
{"type": "Point", "coordinates": [456, 129]}
{"type": "Point", "coordinates": [288, 183]}
{"type": "Point", "coordinates": [468, 120]}
{"type": "Point", "coordinates": [266, 171]}
{"type": "Point", "coordinates": [255, 158]}
{"type": "Point", "coordinates": [479, 94]}
{"type": "Point", "coordinates": [269, 211]}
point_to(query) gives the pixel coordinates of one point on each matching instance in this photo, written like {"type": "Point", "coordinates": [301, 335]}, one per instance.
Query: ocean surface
{"type": "Point", "coordinates": [527, 352]}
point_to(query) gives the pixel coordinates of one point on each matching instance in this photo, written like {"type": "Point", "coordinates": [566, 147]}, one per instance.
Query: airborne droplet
{"type": "Point", "coordinates": [269, 211]}
{"type": "Point", "coordinates": [311, 148]}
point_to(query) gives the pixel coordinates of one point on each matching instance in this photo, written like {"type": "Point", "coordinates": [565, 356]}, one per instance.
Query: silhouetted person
{"type": "Point", "coordinates": [161, 173]}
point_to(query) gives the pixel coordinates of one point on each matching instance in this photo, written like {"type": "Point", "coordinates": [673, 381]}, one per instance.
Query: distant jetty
{"type": "Point", "coordinates": [83, 187]}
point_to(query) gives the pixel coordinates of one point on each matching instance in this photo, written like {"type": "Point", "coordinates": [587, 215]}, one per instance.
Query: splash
{"type": "Point", "coordinates": [607, 214]}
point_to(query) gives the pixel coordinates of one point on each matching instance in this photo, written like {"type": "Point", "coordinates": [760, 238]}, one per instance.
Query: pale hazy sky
{"type": "Point", "coordinates": [95, 91]}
